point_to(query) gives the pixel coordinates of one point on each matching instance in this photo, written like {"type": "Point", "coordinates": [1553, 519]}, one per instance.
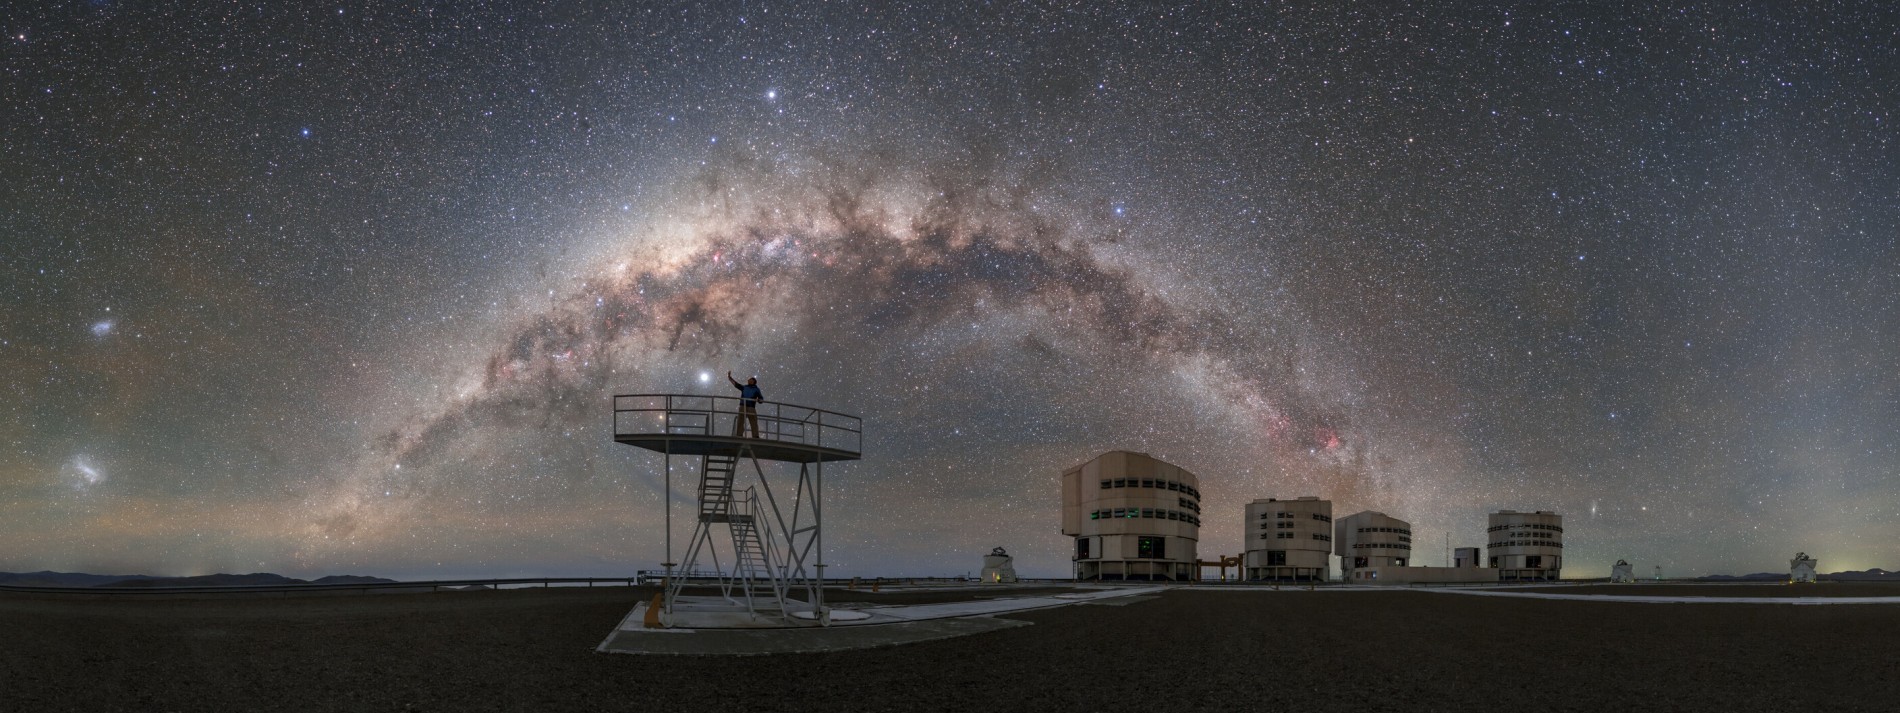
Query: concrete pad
{"type": "Point", "coordinates": [702, 613]}
{"type": "Point", "coordinates": [1120, 601]}
{"type": "Point", "coordinates": [762, 642]}
{"type": "Point", "coordinates": [706, 626]}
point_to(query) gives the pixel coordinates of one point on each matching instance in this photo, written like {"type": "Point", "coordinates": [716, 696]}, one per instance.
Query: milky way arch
{"type": "Point", "coordinates": [838, 249]}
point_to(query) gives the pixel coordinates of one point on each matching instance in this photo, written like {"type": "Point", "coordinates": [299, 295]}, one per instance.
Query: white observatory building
{"type": "Point", "coordinates": [1288, 539]}
{"type": "Point", "coordinates": [1622, 573]}
{"type": "Point", "coordinates": [1526, 545]}
{"type": "Point", "coordinates": [998, 567]}
{"type": "Point", "coordinates": [1371, 539]}
{"type": "Point", "coordinates": [1465, 557]}
{"type": "Point", "coordinates": [1801, 569]}
{"type": "Point", "coordinates": [1132, 517]}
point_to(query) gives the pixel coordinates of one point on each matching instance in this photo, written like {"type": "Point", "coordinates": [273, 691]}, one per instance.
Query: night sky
{"type": "Point", "coordinates": [320, 289]}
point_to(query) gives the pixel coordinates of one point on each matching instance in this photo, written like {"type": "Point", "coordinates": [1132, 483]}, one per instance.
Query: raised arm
{"type": "Point", "coordinates": [735, 382]}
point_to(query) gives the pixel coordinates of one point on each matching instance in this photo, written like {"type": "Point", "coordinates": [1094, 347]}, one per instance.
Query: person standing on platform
{"type": "Point", "coordinates": [749, 398]}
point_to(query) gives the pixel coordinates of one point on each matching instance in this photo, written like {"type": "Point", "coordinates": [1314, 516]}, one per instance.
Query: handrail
{"type": "Point", "coordinates": [638, 415]}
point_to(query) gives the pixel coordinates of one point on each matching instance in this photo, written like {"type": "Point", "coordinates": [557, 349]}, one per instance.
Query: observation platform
{"type": "Point", "coordinates": [697, 425]}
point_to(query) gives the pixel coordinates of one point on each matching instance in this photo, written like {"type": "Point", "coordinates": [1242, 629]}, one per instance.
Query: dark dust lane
{"type": "Point", "coordinates": [1186, 650]}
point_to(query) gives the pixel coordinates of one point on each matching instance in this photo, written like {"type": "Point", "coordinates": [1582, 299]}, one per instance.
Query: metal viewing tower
{"type": "Point", "coordinates": [773, 540]}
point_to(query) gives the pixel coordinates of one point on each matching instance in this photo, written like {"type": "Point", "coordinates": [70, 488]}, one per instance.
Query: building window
{"type": "Point", "coordinates": [1276, 558]}
{"type": "Point", "coordinates": [1105, 484]}
{"type": "Point", "coordinates": [1494, 563]}
{"type": "Point", "coordinates": [1534, 561]}
{"type": "Point", "coordinates": [1398, 561]}
{"type": "Point", "coordinates": [1081, 548]}
{"type": "Point", "coordinates": [1151, 548]}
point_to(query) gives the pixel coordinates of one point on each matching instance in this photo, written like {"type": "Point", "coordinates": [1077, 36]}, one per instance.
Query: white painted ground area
{"type": "Point", "coordinates": [712, 613]}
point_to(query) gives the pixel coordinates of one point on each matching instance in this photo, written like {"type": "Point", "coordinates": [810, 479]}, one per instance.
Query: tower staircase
{"type": "Point", "coordinates": [756, 578]}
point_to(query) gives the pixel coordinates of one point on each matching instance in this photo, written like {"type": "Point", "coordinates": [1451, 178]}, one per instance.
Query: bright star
{"type": "Point", "coordinates": [705, 377]}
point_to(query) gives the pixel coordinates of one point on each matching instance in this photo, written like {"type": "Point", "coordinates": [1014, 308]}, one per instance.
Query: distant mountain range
{"type": "Point", "coordinates": [1872, 575]}
{"type": "Point", "coordinates": [79, 579]}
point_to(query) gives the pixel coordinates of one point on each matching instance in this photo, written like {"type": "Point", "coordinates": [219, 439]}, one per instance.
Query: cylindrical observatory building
{"type": "Point", "coordinates": [1132, 517]}
{"type": "Point", "coordinates": [1526, 545]}
{"type": "Point", "coordinates": [1288, 539]}
{"type": "Point", "coordinates": [1371, 539]}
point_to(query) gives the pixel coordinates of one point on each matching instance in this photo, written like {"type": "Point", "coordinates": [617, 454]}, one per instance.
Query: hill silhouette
{"type": "Point", "coordinates": [64, 579]}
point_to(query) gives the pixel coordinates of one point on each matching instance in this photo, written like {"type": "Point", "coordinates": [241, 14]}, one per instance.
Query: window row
{"type": "Point", "coordinates": [1399, 530]}
{"type": "Point", "coordinates": [1156, 484]}
{"type": "Point", "coordinates": [1527, 543]}
{"type": "Point", "coordinates": [1145, 548]}
{"type": "Point", "coordinates": [1295, 536]}
{"type": "Point", "coordinates": [1530, 562]}
{"type": "Point", "coordinates": [1191, 505]}
{"type": "Point", "coordinates": [1283, 515]}
{"type": "Point", "coordinates": [1154, 513]}
{"type": "Point", "coordinates": [1526, 526]}
{"type": "Point", "coordinates": [1381, 546]}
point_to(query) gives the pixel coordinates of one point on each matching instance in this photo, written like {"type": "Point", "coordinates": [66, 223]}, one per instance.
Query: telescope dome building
{"type": "Point", "coordinates": [1526, 545]}
{"type": "Point", "coordinates": [1371, 539]}
{"type": "Point", "coordinates": [1288, 539]}
{"type": "Point", "coordinates": [1133, 517]}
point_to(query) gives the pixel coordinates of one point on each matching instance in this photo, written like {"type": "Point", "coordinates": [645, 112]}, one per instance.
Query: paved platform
{"type": "Point", "coordinates": [703, 627]}
{"type": "Point", "coordinates": [763, 642]}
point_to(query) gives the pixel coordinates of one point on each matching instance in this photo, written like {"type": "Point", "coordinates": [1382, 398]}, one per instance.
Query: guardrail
{"type": "Point", "coordinates": [691, 415]}
{"type": "Point", "coordinates": [643, 578]}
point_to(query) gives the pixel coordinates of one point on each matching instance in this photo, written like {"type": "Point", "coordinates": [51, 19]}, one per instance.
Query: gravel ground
{"type": "Point", "coordinates": [1185, 650]}
{"type": "Point", "coordinates": [1821, 589]}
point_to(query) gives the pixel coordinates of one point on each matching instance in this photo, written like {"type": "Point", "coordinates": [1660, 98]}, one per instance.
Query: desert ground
{"type": "Point", "coordinates": [1293, 650]}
